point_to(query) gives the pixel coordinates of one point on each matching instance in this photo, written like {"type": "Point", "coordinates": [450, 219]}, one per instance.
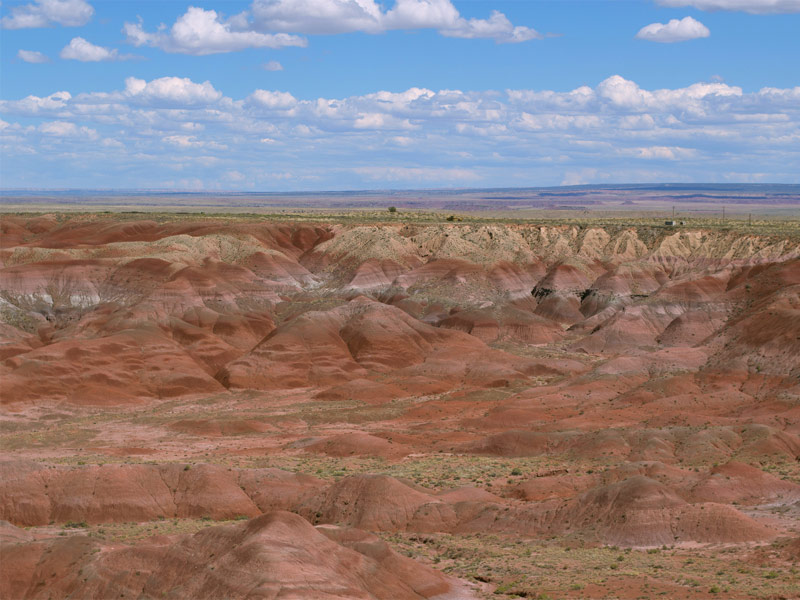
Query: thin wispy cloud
{"type": "Point", "coordinates": [32, 56]}
{"type": "Point", "coordinates": [756, 7]}
{"type": "Point", "coordinates": [272, 65]}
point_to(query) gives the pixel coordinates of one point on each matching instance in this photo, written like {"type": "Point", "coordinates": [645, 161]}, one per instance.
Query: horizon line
{"type": "Point", "coordinates": [588, 186]}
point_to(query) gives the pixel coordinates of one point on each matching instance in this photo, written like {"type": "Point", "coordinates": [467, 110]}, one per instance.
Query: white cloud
{"type": "Point", "coordinates": [272, 23]}
{"type": "Point", "coordinates": [675, 31]}
{"type": "Point", "coordinates": [317, 16]}
{"type": "Point", "coordinates": [32, 56]}
{"type": "Point", "coordinates": [43, 13]}
{"type": "Point", "coordinates": [272, 65]}
{"type": "Point", "coordinates": [664, 153]}
{"type": "Point", "coordinates": [200, 32]}
{"type": "Point", "coordinates": [34, 105]}
{"type": "Point", "coordinates": [85, 51]}
{"type": "Point", "coordinates": [694, 99]}
{"type": "Point", "coordinates": [623, 92]}
{"type": "Point", "coordinates": [700, 131]}
{"type": "Point", "coordinates": [182, 141]}
{"type": "Point", "coordinates": [273, 100]}
{"type": "Point", "coordinates": [175, 91]}
{"type": "Point", "coordinates": [641, 121]}
{"type": "Point", "coordinates": [59, 128]}
{"type": "Point", "coordinates": [380, 121]}
{"type": "Point", "coordinates": [421, 14]}
{"type": "Point", "coordinates": [786, 97]}
{"type": "Point", "coordinates": [496, 27]}
{"type": "Point", "coordinates": [557, 121]}
{"type": "Point", "coordinates": [66, 129]}
{"type": "Point", "coordinates": [758, 7]}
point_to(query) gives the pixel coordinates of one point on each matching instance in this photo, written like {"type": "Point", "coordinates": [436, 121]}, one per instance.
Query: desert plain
{"type": "Point", "coordinates": [398, 405]}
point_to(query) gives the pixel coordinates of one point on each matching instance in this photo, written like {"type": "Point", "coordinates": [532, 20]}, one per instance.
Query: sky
{"type": "Point", "coordinates": [296, 95]}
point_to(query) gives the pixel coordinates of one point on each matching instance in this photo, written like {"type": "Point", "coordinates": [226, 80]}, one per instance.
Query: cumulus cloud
{"type": "Point", "coordinates": [701, 131]}
{"type": "Point", "coordinates": [85, 51]}
{"type": "Point", "coordinates": [374, 120]}
{"type": "Point", "coordinates": [496, 27]}
{"type": "Point", "coordinates": [32, 56]}
{"type": "Point", "coordinates": [675, 31]}
{"type": "Point", "coordinates": [200, 32]}
{"type": "Point", "coordinates": [316, 16]}
{"type": "Point", "coordinates": [272, 100]}
{"type": "Point", "coordinates": [44, 13]}
{"type": "Point", "coordinates": [173, 91]}
{"type": "Point", "coordinates": [696, 99]}
{"type": "Point", "coordinates": [273, 23]}
{"type": "Point", "coordinates": [757, 7]}
{"type": "Point", "coordinates": [35, 105]}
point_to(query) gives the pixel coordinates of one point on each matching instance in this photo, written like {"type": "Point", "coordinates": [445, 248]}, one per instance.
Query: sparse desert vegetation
{"type": "Point", "coordinates": [410, 406]}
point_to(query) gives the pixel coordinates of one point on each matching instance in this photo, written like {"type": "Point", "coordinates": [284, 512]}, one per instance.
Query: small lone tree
{"type": "Point", "coordinates": [392, 209]}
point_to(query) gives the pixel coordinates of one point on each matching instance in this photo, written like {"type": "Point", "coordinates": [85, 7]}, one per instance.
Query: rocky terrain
{"type": "Point", "coordinates": [215, 407]}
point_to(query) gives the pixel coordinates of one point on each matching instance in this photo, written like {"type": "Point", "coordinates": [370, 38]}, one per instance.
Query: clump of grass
{"type": "Point", "coordinates": [75, 524]}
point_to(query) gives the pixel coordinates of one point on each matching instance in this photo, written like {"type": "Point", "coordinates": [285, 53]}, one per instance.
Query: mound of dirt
{"type": "Point", "coordinates": [380, 503]}
{"type": "Point", "coordinates": [375, 274]}
{"type": "Point", "coordinates": [104, 371]}
{"type": "Point", "coordinates": [642, 512]}
{"type": "Point", "coordinates": [561, 307]}
{"type": "Point", "coordinates": [509, 323]}
{"type": "Point", "coordinates": [275, 555]}
{"type": "Point", "coordinates": [362, 337]}
{"type": "Point", "coordinates": [548, 488]}
{"type": "Point", "coordinates": [736, 482]}
{"type": "Point", "coordinates": [359, 444]}
{"type": "Point", "coordinates": [581, 381]}
{"type": "Point", "coordinates": [31, 494]}
{"type": "Point", "coordinates": [512, 443]}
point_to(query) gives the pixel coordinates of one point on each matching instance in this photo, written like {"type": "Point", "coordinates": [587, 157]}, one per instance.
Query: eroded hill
{"type": "Point", "coordinates": [553, 385]}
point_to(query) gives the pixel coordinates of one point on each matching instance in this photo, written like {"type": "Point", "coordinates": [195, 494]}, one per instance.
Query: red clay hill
{"type": "Point", "coordinates": [224, 408]}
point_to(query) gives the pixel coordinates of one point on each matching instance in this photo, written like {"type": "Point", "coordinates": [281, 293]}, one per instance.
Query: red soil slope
{"type": "Point", "coordinates": [628, 386]}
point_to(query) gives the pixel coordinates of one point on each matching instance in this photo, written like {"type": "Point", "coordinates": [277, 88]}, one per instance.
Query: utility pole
{"type": "Point", "coordinates": [723, 215]}
{"type": "Point", "coordinates": [673, 212]}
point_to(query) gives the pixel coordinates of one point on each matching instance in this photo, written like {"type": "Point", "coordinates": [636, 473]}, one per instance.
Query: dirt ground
{"type": "Point", "coordinates": [586, 407]}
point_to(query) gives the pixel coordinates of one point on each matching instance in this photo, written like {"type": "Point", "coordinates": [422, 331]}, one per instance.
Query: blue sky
{"type": "Point", "coordinates": [352, 94]}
